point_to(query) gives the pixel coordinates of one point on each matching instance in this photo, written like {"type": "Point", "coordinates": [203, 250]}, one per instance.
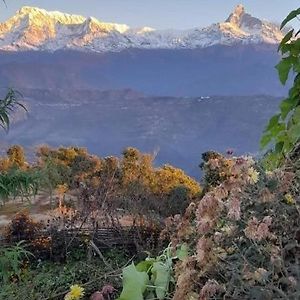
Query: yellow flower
{"type": "Point", "coordinates": [253, 175]}
{"type": "Point", "coordinates": [76, 293]}
{"type": "Point", "coordinates": [289, 199]}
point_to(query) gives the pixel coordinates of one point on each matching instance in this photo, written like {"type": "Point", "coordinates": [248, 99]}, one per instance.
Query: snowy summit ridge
{"type": "Point", "coordinates": [33, 28]}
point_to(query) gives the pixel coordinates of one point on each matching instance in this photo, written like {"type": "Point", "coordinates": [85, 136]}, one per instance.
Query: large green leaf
{"type": "Point", "coordinates": [286, 106]}
{"type": "Point", "coordinates": [134, 283]}
{"type": "Point", "coordinates": [273, 122]}
{"type": "Point", "coordinates": [287, 37]}
{"type": "Point", "coordinates": [296, 115]}
{"type": "Point", "coordinates": [162, 274]}
{"type": "Point", "coordinates": [284, 67]}
{"type": "Point", "coordinates": [294, 132]}
{"type": "Point", "coordinates": [265, 140]}
{"type": "Point", "coordinates": [292, 15]}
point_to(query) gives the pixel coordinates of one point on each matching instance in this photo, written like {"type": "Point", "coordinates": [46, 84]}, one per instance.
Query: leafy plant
{"type": "Point", "coordinates": [7, 105]}
{"type": "Point", "coordinates": [18, 183]}
{"type": "Point", "coordinates": [283, 130]}
{"type": "Point", "coordinates": [11, 260]}
{"type": "Point", "coordinates": [151, 278]}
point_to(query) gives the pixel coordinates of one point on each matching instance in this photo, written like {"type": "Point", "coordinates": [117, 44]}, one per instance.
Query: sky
{"type": "Point", "coordinates": [160, 14]}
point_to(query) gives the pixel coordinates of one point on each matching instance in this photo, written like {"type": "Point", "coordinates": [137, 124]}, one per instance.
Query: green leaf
{"type": "Point", "coordinates": [297, 67]}
{"type": "Point", "coordinates": [277, 129]}
{"type": "Point", "coordinates": [162, 275]}
{"type": "Point", "coordinates": [279, 147]}
{"type": "Point", "coordinates": [272, 160]}
{"type": "Point", "coordinates": [284, 67]}
{"type": "Point", "coordinates": [292, 15]}
{"type": "Point", "coordinates": [286, 106]}
{"type": "Point", "coordinates": [145, 265]}
{"type": "Point", "coordinates": [294, 132]}
{"type": "Point", "coordinates": [273, 122]}
{"type": "Point", "coordinates": [134, 283]}
{"type": "Point", "coordinates": [287, 37]}
{"type": "Point", "coordinates": [182, 252]}
{"type": "Point", "coordinates": [150, 296]}
{"type": "Point", "coordinates": [296, 115]}
{"type": "Point", "coordinates": [265, 140]}
{"type": "Point", "coordinates": [285, 48]}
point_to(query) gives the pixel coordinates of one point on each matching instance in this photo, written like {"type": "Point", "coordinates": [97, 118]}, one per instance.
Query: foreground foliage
{"type": "Point", "coordinates": [11, 261]}
{"type": "Point", "coordinates": [48, 280]}
{"type": "Point", "coordinates": [243, 235]}
{"type": "Point", "coordinates": [152, 278]}
{"type": "Point", "coordinates": [283, 130]}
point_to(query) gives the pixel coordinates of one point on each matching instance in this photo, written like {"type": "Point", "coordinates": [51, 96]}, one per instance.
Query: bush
{"type": "Point", "coordinates": [243, 236]}
{"type": "Point", "coordinates": [22, 228]}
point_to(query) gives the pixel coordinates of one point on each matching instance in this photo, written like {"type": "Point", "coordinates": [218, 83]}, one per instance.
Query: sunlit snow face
{"type": "Point", "coordinates": [38, 29]}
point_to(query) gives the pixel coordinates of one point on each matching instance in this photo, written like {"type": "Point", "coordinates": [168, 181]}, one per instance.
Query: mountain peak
{"type": "Point", "coordinates": [236, 15]}
{"type": "Point", "coordinates": [240, 18]}
{"type": "Point", "coordinates": [29, 9]}
{"type": "Point", "coordinates": [35, 13]}
{"type": "Point", "coordinates": [239, 10]}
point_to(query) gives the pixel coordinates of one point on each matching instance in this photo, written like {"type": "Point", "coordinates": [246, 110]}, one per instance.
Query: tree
{"type": "Point", "coordinates": [16, 156]}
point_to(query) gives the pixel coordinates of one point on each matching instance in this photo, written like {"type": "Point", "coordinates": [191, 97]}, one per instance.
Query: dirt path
{"type": "Point", "coordinates": [38, 209]}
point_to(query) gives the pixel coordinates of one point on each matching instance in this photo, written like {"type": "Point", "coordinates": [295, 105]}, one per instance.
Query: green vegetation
{"type": "Point", "coordinates": [7, 105]}
{"type": "Point", "coordinates": [11, 261]}
{"type": "Point", "coordinates": [13, 183]}
{"type": "Point", "coordinates": [51, 280]}
{"type": "Point", "coordinates": [283, 130]}
{"type": "Point", "coordinates": [18, 183]}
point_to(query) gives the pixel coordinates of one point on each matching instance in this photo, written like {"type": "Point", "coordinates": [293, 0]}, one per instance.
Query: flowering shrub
{"type": "Point", "coordinates": [243, 234]}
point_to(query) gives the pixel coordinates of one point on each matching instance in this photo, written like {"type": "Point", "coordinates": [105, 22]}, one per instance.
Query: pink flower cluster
{"type": "Point", "coordinates": [258, 231]}
{"type": "Point", "coordinates": [204, 247]}
{"type": "Point", "coordinates": [207, 212]}
{"type": "Point", "coordinates": [234, 208]}
{"type": "Point", "coordinates": [210, 289]}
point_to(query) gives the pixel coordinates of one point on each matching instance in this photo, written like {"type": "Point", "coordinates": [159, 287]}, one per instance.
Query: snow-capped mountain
{"type": "Point", "coordinates": [37, 29]}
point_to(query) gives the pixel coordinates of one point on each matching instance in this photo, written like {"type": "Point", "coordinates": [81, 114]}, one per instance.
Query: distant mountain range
{"type": "Point", "coordinates": [49, 50]}
{"type": "Point", "coordinates": [37, 29]}
{"type": "Point", "coordinates": [107, 86]}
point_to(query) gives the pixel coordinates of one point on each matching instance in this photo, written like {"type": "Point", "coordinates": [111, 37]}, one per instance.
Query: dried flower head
{"type": "Point", "coordinates": [258, 231]}
{"type": "Point", "coordinates": [203, 250]}
{"type": "Point", "coordinates": [234, 209]}
{"type": "Point", "coordinates": [207, 212]}
{"type": "Point", "coordinates": [209, 290]}
{"type": "Point", "coordinates": [266, 196]}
